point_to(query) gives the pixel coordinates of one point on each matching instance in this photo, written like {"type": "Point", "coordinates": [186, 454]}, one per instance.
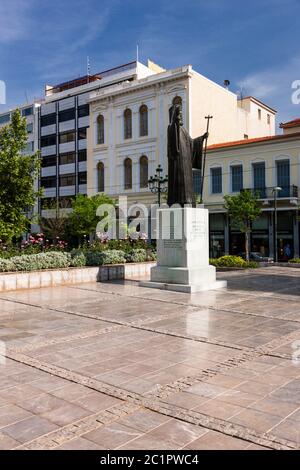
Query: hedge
{"type": "Point", "coordinates": [295, 260]}
{"type": "Point", "coordinates": [76, 258]}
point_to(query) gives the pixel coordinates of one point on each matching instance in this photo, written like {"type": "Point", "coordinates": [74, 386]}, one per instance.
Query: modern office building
{"type": "Point", "coordinates": [64, 121]}
{"type": "Point", "coordinates": [259, 164]}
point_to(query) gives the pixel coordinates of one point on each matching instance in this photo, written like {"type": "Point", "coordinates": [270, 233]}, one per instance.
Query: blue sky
{"type": "Point", "coordinates": [255, 45]}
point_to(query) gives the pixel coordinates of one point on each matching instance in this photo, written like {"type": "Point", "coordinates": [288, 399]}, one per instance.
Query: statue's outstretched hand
{"type": "Point", "coordinates": [205, 136]}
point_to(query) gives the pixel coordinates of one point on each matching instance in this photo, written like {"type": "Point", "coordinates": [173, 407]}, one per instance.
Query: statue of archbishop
{"type": "Point", "coordinates": [184, 154]}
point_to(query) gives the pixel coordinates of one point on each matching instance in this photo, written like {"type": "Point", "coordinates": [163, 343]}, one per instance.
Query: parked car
{"type": "Point", "coordinates": [257, 256]}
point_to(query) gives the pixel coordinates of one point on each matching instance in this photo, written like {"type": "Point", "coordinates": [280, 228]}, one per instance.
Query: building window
{"type": "Point", "coordinates": [246, 136]}
{"type": "Point", "coordinates": [29, 147]}
{"type": "Point", "coordinates": [82, 133]}
{"type": "Point", "coordinates": [100, 173]}
{"type": "Point", "coordinates": [83, 110]}
{"type": "Point", "coordinates": [67, 180]}
{"type": "Point", "coordinates": [67, 137]}
{"type": "Point", "coordinates": [177, 101]}
{"type": "Point", "coordinates": [268, 118]}
{"type": "Point", "coordinates": [49, 161]}
{"type": "Point", "coordinates": [143, 120]}
{"type": "Point", "coordinates": [65, 202]}
{"type": "Point", "coordinates": [48, 203]}
{"type": "Point", "coordinates": [66, 158]}
{"type": "Point", "coordinates": [143, 172]}
{"type": "Point", "coordinates": [48, 182]}
{"type": "Point", "coordinates": [27, 111]}
{"type": "Point", "coordinates": [127, 124]}
{"type": "Point", "coordinates": [216, 180]}
{"type": "Point", "coordinates": [29, 128]}
{"type": "Point", "coordinates": [48, 120]}
{"type": "Point", "coordinates": [259, 179]}
{"type": "Point", "coordinates": [197, 181]}
{"type": "Point", "coordinates": [127, 173]}
{"type": "Point", "coordinates": [283, 177]}
{"type": "Point", "coordinates": [67, 115]}
{"type": "Point", "coordinates": [82, 155]}
{"type": "Point", "coordinates": [259, 114]}
{"type": "Point", "coordinates": [82, 177]}
{"type": "Point", "coordinates": [48, 140]}
{"type": "Point", "coordinates": [4, 119]}
{"type": "Point", "coordinates": [100, 129]}
{"type": "Point", "coordinates": [236, 178]}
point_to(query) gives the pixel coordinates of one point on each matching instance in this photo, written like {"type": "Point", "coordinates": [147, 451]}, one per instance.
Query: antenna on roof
{"type": "Point", "coordinates": [26, 96]}
{"type": "Point", "coordinates": [137, 52]}
{"type": "Point", "coordinates": [88, 68]}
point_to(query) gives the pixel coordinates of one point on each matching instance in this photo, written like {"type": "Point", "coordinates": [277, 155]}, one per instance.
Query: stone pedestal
{"type": "Point", "coordinates": [183, 252]}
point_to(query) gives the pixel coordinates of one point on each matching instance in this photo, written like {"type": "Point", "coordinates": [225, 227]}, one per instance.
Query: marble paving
{"type": "Point", "coordinates": [118, 366]}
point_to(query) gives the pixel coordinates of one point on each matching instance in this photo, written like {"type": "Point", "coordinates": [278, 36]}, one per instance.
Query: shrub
{"type": "Point", "coordinates": [113, 257]}
{"type": "Point", "coordinates": [136, 256]}
{"type": "Point", "coordinates": [295, 260]}
{"type": "Point", "coordinates": [50, 260]}
{"type": "Point", "coordinates": [93, 258]}
{"type": "Point", "coordinates": [78, 259]}
{"type": "Point", "coordinates": [230, 261]}
{"type": "Point", "coordinates": [6, 265]}
{"type": "Point", "coordinates": [97, 258]}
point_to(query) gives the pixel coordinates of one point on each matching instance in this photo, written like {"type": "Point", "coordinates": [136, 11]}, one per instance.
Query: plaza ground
{"type": "Point", "coordinates": [117, 366]}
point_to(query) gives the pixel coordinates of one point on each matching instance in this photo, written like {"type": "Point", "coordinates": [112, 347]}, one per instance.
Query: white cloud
{"type": "Point", "coordinates": [274, 86]}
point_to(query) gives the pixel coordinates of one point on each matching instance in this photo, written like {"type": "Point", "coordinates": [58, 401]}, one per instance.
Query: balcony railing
{"type": "Point", "coordinates": [268, 193]}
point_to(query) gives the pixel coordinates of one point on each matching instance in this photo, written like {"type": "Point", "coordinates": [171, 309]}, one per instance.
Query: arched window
{"type": "Point", "coordinates": [100, 129]}
{"type": "Point", "coordinates": [127, 173]}
{"type": "Point", "coordinates": [127, 124]}
{"type": "Point", "coordinates": [143, 120]}
{"type": "Point", "coordinates": [100, 173]}
{"type": "Point", "coordinates": [177, 100]}
{"type": "Point", "coordinates": [143, 172]}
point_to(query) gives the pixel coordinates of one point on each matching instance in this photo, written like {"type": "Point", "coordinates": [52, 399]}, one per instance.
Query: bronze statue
{"type": "Point", "coordinates": [184, 154]}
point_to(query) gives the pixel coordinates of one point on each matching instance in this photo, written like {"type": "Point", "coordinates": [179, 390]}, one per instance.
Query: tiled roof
{"type": "Point", "coordinates": [236, 143]}
{"type": "Point", "coordinates": [293, 123]}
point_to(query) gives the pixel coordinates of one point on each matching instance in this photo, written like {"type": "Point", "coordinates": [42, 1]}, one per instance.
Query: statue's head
{"type": "Point", "coordinates": [176, 114]}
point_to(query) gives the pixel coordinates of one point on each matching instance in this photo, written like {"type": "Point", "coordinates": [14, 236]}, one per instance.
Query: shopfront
{"type": "Point", "coordinates": [260, 235]}
{"type": "Point", "coordinates": [285, 235]}
{"type": "Point", "coordinates": [216, 235]}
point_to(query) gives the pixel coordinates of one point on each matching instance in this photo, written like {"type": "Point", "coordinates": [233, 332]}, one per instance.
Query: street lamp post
{"type": "Point", "coordinates": [275, 194]}
{"type": "Point", "coordinates": [157, 183]}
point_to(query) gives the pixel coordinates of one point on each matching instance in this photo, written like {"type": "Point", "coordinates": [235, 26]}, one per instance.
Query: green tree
{"type": "Point", "coordinates": [17, 176]}
{"type": "Point", "coordinates": [83, 219]}
{"type": "Point", "coordinates": [243, 209]}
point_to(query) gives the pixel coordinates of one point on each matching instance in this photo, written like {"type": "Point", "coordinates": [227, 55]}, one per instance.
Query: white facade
{"type": "Point", "coordinates": [199, 97]}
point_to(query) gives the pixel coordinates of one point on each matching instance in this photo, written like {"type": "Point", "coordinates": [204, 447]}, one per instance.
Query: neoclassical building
{"type": "Point", "coordinates": [128, 122]}
{"type": "Point", "coordinates": [260, 164]}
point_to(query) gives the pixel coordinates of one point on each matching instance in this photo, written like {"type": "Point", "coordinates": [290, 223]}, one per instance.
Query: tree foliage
{"type": "Point", "coordinates": [83, 219]}
{"type": "Point", "coordinates": [18, 173]}
{"type": "Point", "coordinates": [243, 209]}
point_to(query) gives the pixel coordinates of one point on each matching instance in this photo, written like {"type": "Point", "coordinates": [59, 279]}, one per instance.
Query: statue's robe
{"type": "Point", "coordinates": [184, 154]}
